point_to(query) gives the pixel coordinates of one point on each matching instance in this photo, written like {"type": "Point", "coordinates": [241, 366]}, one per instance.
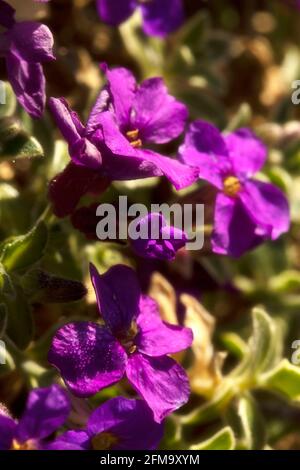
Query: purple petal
{"type": "Point", "coordinates": [113, 137]}
{"type": "Point", "coordinates": [159, 117]}
{"type": "Point", "coordinates": [115, 12]}
{"type": "Point", "coordinates": [118, 294]}
{"type": "Point", "coordinates": [87, 356]}
{"type": "Point", "coordinates": [180, 175]}
{"type": "Point", "coordinates": [205, 148]}
{"type": "Point", "coordinates": [7, 428]}
{"type": "Point", "coordinates": [67, 120]}
{"type": "Point", "coordinates": [28, 82]}
{"type": "Point", "coordinates": [175, 236]}
{"type": "Point", "coordinates": [130, 163]}
{"type": "Point", "coordinates": [161, 382]}
{"type": "Point", "coordinates": [234, 231]}
{"type": "Point", "coordinates": [71, 440]}
{"type": "Point", "coordinates": [157, 338]}
{"type": "Point", "coordinates": [7, 14]}
{"type": "Point", "coordinates": [47, 409]}
{"type": "Point", "coordinates": [130, 421]}
{"type": "Point", "coordinates": [67, 188]}
{"type": "Point", "coordinates": [122, 87]}
{"type": "Point", "coordinates": [33, 41]}
{"type": "Point", "coordinates": [161, 17]}
{"type": "Point", "coordinates": [82, 151]}
{"type": "Point", "coordinates": [268, 208]}
{"type": "Point", "coordinates": [247, 153]}
{"type": "Point", "coordinates": [101, 105]}
{"type": "Point", "coordinates": [154, 225]}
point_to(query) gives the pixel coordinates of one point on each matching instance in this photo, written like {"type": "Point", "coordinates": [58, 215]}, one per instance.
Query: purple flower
{"type": "Point", "coordinates": [118, 424]}
{"type": "Point", "coordinates": [247, 211]}
{"type": "Point", "coordinates": [134, 341]}
{"type": "Point", "coordinates": [25, 46]}
{"type": "Point", "coordinates": [125, 118]}
{"type": "Point", "coordinates": [157, 239]}
{"type": "Point", "coordinates": [47, 409]}
{"type": "Point", "coordinates": [160, 17]}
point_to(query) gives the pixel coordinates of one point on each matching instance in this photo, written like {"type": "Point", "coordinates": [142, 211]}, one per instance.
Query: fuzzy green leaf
{"type": "Point", "coordinates": [22, 252]}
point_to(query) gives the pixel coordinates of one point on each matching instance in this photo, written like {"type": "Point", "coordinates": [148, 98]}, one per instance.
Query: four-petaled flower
{"type": "Point", "coordinates": [125, 118]}
{"type": "Point", "coordinates": [25, 46]}
{"type": "Point", "coordinates": [134, 341]}
{"type": "Point", "coordinates": [118, 424]}
{"type": "Point", "coordinates": [47, 409]}
{"type": "Point", "coordinates": [247, 211]}
{"type": "Point", "coordinates": [160, 17]}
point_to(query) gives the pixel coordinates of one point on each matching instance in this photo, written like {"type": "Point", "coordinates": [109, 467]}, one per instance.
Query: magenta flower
{"type": "Point", "coordinates": [247, 211]}
{"type": "Point", "coordinates": [47, 409]}
{"type": "Point", "coordinates": [125, 118]}
{"type": "Point", "coordinates": [134, 341]}
{"type": "Point", "coordinates": [118, 424]}
{"type": "Point", "coordinates": [25, 46]}
{"type": "Point", "coordinates": [166, 242]}
{"type": "Point", "coordinates": [160, 17]}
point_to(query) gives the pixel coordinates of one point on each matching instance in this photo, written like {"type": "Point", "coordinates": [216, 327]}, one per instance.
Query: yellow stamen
{"type": "Point", "coordinates": [232, 186]}
{"type": "Point", "coordinates": [127, 338]}
{"type": "Point", "coordinates": [104, 441]}
{"type": "Point", "coordinates": [27, 445]}
{"type": "Point", "coordinates": [132, 136]}
{"type": "Point", "coordinates": [136, 143]}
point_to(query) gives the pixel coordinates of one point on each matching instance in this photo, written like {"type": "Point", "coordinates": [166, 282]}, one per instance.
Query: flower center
{"type": "Point", "coordinates": [127, 338]}
{"type": "Point", "coordinates": [104, 441]}
{"type": "Point", "coordinates": [27, 445]}
{"type": "Point", "coordinates": [133, 137]}
{"type": "Point", "coordinates": [232, 186]}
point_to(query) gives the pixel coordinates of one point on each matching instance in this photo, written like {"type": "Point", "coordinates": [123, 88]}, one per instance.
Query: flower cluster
{"type": "Point", "coordinates": [113, 144]}
{"type": "Point", "coordinates": [119, 424]}
{"type": "Point", "coordinates": [133, 341]}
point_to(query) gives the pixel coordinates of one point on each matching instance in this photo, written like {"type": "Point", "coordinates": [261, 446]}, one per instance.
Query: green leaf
{"type": "Point", "coordinates": [223, 440]}
{"type": "Point", "coordinates": [262, 341]}
{"type": "Point", "coordinates": [10, 127]}
{"type": "Point", "coordinates": [20, 146]}
{"type": "Point", "coordinates": [235, 344]}
{"type": "Point", "coordinates": [246, 420]}
{"type": "Point", "coordinates": [287, 281]}
{"type": "Point", "coordinates": [284, 379]}
{"type": "Point", "coordinates": [8, 108]}
{"type": "Point", "coordinates": [6, 285]}
{"type": "Point", "coordinates": [22, 252]}
{"type": "Point", "coordinates": [265, 347]}
{"type": "Point", "coordinates": [20, 326]}
{"type": "Point", "coordinates": [43, 287]}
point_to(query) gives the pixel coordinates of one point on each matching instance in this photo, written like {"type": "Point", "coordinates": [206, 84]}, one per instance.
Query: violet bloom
{"type": "Point", "coordinates": [160, 17]}
{"type": "Point", "coordinates": [134, 341]}
{"type": "Point", "coordinates": [125, 118]}
{"type": "Point", "coordinates": [25, 46]}
{"type": "Point", "coordinates": [157, 239]}
{"type": "Point", "coordinates": [47, 409]}
{"type": "Point", "coordinates": [118, 424]}
{"type": "Point", "coordinates": [247, 211]}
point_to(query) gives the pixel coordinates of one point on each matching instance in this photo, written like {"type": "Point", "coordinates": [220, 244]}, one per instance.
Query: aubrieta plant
{"type": "Point", "coordinates": [143, 343]}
